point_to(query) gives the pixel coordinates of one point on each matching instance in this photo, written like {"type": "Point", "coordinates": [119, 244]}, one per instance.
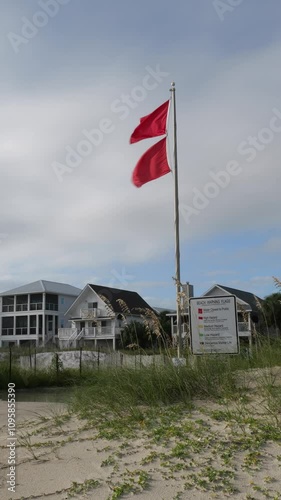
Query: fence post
{"type": "Point", "coordinates": [57, 365]}
{"type": "Point", "coordinates": [98, 357]}
{"type": "Point", "coordinates": [35, 360]}
{"type": "Point", "coordinates": [30, 360]}
{"type": "Point", "coordinates": [80, 362]}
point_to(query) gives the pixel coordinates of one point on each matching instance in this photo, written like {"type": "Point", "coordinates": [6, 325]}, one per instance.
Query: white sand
{"type": "Point", "coordinates": [56, 455]}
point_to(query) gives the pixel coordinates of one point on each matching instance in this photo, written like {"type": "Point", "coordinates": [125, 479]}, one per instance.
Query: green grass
{"type": "Point", "coordinates": [208, 376]}
{"type": "Point", "coordinates": [28, 378]}
{"type": "Point", "coordinates": [125, 389]}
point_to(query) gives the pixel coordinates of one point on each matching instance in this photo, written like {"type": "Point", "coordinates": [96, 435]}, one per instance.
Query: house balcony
{"type": "Point", "coordinates": [92, 313]}
{"type": "Point", "coordinates": [36, 306]}
{"type": "Point", "coordinates": [7, 331]}
{"type": "Point", "coordinates": [184, 330]}
{"type": "Point", "coordinates": [243, 329]}
{"type": "Point", "coordinates": [103, 332]}
{"type": "Point", "coordinates": [20, 331]}
{"type": "Point", "coordinates": [7, 308]}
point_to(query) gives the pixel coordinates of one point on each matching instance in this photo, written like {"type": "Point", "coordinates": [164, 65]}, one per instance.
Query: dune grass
{"type": "Point", "coordinates": [206, 376]}
{"type": "Point", "coordinates": [211, 376]}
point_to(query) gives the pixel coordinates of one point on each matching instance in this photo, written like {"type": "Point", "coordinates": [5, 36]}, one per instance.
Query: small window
{"type": "Point", "coordinates": [92, 305]}
{"type": "Point", "coordinates": [62, 323]}
{"type": "Point", "coordinates": [62, 300]}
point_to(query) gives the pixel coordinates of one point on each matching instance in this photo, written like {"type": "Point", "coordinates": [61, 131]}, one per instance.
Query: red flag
{"type": "Point", "coordinates": [152, 125]}
{"type": "Point", "coordinates": [153, 164]}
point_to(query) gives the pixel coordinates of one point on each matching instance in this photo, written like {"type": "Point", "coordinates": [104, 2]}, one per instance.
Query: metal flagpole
{"type": "Point", "coordinates": [177, 230]}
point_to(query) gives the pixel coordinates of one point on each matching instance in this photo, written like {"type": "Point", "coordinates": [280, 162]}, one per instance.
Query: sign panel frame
{"type": "Point", "coordinates": [213, 325]}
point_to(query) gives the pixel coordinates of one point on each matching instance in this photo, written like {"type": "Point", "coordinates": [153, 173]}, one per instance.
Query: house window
{"type": "Point", "coordinates": [8, 326]}
{"type": "Point", "coordinates": [52, 302]}
{"type": "Point", "coordinates": [32, 325]}
{"type": "Point", "coordinates": [62, 301]}
{"type": "Point", "coordinates": [61, 323]}
{"type": "Point", "coordinates": [8, 304]}
{"type": "Point", "coordinates": [36, 301]}
{"type": "Point", "coordinates": [21, 303]}
{"type": "Point", "coordinates": [92, 305]}
{"type": "Point", "coordinates": [50, 323]}
{"type": "Point", "coordinates": [103, 323]}
{"type": "Point", "coordinates": [21, 325]}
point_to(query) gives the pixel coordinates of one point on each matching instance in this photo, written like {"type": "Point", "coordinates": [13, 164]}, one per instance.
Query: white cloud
{"type": "Point", "coordinates": [95, 217]}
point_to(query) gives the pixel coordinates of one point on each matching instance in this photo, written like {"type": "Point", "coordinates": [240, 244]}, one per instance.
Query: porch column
{"type": "Point", "coordinates": [28, 324]}
{"type": "Point", "coordinates": [113, 333]}
{"type": "Point", "coordinates": [37, 329]}
{"type": "Point", "coordinates": [15, 308]}
{"type": "Point", "coordinates": [250, 331]}
{"type": "Point", "coordinates": [249, 323]}
{"type": "Point", "coordinates": [44, 318]}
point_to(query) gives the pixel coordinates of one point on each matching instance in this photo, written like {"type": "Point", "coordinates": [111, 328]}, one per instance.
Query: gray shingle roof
{"type": "Point", "coordinates": [44, 286]}
{"type": "Point", "coordinates": [132, 299]}
{"type": "Point", "coordinates": [248, 297]}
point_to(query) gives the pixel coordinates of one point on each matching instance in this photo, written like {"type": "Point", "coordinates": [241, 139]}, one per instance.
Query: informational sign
{"type": "Point", "coordinates": [213, 325]}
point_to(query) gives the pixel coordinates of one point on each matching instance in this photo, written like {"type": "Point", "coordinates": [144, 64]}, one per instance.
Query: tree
{"type": "Point", "coordinates": [136, 335]}
{"type": "Point", "coordinates": [154, 332]}
{"type": "Point", "coordinates": [271, 308]}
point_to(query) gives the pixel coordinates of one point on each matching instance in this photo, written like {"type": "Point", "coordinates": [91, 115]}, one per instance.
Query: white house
{"type": "Point", "coordinates": [247, 308]}
{"type": "Point", "coordinates": [247, 311]}
{"type": "Point", "coordinates": [99, 314]}
{"type": "Point", "coordinates": [33, 313]}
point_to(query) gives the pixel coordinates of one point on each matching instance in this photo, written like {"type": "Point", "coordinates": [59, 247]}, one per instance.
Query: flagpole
{"type": "Point", "coordinates": [177, 230]}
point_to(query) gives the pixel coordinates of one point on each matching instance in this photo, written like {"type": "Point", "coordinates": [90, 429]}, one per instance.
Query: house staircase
{"type": "Point", "coordinates": [75, 337]}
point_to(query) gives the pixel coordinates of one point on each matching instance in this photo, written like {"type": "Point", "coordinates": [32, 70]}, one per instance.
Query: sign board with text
{"type": "Point", "coordinates": [213, 325]}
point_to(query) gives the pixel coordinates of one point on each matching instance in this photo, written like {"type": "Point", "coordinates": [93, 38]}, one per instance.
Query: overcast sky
{"type": "Point", "coordinates": [66, 67]}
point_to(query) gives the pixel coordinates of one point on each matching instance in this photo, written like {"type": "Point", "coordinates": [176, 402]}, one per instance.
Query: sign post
{"type": "Point", "coordinates": [213, 325]}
